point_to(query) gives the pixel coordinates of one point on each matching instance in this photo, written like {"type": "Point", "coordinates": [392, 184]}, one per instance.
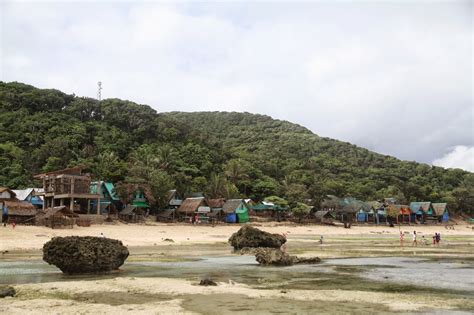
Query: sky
{"type": "Point", "coordinates": [395, 77]}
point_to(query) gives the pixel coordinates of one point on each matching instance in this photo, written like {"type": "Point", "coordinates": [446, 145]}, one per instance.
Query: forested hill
{"type": "Point", "coordinates": [221, 154]}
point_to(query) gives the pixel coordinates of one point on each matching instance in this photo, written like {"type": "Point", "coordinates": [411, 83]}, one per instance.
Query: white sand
{"type": "Point", "coordinates": [134, 235]}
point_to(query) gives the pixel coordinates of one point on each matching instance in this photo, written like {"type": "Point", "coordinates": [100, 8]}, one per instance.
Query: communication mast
{"type": "Point", "coordinates": [99, 90]}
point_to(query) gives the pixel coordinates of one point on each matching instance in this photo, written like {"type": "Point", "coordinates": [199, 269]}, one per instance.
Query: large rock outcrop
{"type": "Point", "coordinates": [75, 254]}
{"type": "Point", "coordinates": [276, 257]}
{"type": "Point", "coordinates": [249, 236]}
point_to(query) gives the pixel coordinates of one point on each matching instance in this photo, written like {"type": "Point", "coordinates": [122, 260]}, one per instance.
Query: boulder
{"type": "Point", "coordinates": [87, 254]}
{"type": "Point", "coordinates": [249, 236]}
{"type": "Point", "coordinates": [276, 257]}
{"type": "Point", "coordinates": [207, 282]}
{"type": "Point", "coordinates": [7, 291]}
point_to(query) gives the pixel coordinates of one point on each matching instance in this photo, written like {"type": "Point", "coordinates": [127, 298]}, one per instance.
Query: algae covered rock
{"type": "Point", "coordinates": [7, 291]}
{"type": "Point", "coordinates": [249, 236]}
{"type": "Point", "coordinates": [76, 254]}
{"type": "Point", "coordinates": [276, 257]}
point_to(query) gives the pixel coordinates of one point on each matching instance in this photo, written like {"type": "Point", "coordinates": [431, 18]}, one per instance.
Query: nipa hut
{"type": "Point", "coordinates": [190, 206]}
{"type": "Point", "coordinates": [324, 216]}
{"type": "Point", "coordinates": [57, 217]}
{"type": "Point", "coordinates": [132, 214]}
{"type": "Point", "coordinates": [421, 211]}
{"type": "Point", "coordinates": [441, 210]}
{"type": "Point", "coordinates": [236, 211]}
{"type": "Point", "coordinates": [20, 212]}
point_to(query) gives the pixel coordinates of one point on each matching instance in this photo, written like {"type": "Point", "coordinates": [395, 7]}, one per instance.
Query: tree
{"type": "Point", "coordinates": [300, 210]}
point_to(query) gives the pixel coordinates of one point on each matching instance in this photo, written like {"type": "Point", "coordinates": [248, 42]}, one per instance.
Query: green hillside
{"type": "Point", "coordinates": [221, 154]}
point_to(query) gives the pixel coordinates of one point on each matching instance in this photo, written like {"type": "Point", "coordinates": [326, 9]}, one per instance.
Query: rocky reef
{"type": "Point", "coordinates": [249, 236]}
{"type": "Point", "coordinates": [76, 254]}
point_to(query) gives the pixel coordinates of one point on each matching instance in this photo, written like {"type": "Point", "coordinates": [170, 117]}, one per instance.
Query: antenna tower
{"type": "Point", "coordinates": [99, 90]}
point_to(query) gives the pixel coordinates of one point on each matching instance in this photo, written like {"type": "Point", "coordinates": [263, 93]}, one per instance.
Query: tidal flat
{"type": "Point", "coordinates": [359, 274]}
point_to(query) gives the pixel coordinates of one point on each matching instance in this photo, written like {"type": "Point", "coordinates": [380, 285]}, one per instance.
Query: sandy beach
{"type": "Point", "coordinates": [160, 276]}
{"type": "Point", "coordinates": [136, 235]}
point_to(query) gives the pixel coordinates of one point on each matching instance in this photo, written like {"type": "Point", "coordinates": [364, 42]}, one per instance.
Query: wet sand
{"type": "Point", "coordinates": [160, 277]}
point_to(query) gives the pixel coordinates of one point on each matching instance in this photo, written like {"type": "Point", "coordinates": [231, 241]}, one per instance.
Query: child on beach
{"type": "Point", "coordinates": [414, 239]}
{"type": "Point", "coordinates": [401, 238]}
{"type": "Point", "coordinates": [438, 238]}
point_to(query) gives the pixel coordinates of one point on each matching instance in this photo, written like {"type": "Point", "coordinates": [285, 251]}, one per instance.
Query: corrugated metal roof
{"type": "Point", "coordinates": [23, 194]}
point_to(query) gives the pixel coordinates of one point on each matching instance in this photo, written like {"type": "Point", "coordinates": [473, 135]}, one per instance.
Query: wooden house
{"type": "Point", "coordinates": [57, 217]}
{"type": "Point", "coordinates": [190, 206]}
{"type": "Point", "coordinates": [14, 210]}
{"type": "Point", "coordinates": [68, 187]}
{"type": "Point", "coordinates": [236, 211]}
{"type": "Point", "coordinates": [174, 200]}
{"type": "Point", "coordinates": [403, 213]}
{"type": "Point", "coordinates": [30, 195]}
{"type": "Point", "coordinates": [132, 214]}
{"type": "Point", "coordinates": [109, 200]}
{"type": "Point", "coordinates": [324, 216]}
{"type": "Point", "coordinates": [421, 211]}
{"type": "Point", "coordinates": [441, 210]}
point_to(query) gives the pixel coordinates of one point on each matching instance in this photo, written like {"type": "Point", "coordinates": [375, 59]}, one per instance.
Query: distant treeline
{"type": "Point", "coordinates": [221, 154]}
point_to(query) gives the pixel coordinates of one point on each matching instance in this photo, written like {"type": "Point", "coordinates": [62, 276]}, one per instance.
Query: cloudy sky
{"type": "Point", "coordinates": [394, 77]}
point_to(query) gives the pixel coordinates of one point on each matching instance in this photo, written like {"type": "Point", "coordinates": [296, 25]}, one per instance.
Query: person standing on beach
{"type": "Point", "coordinates": [438, 238]}
{"type": "Point", "coordinates": [414, 239]}
{"type": "Point", "coordinates": [401, 238]}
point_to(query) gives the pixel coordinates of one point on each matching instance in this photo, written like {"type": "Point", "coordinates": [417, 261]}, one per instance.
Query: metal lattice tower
{"type": "Point", "coordinates": [99, 90]}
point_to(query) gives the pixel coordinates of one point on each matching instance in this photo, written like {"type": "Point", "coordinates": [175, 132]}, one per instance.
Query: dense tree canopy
{"type": "Point", "coordinates": [221, 154]}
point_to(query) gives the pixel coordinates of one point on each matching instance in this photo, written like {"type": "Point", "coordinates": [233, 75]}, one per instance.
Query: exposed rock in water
{"type": "Point", "coordinates": [249, 236]}
{"type": "Point", "coordinates": [276, 257]}
{"type": "Point", "coordinates": [206, 282]}
{"type": "Point", "coordinates": [76, 254]}
{"type": "Point", "coordinates": [7, 291]}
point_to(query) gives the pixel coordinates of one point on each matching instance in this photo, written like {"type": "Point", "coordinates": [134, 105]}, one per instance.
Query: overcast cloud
{"type": "Point", "coordinates": [395, 78]}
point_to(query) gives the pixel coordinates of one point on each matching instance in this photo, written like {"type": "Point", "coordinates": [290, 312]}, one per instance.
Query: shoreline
{"type": "Point", "coordinates": [24, 238]}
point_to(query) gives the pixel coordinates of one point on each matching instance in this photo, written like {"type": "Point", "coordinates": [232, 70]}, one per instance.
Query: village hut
{"type": "Point", "coordinates": [30, 195]}
{"type": "Point", "coordinates": [389, 201]}
{"type": "Point", "coordinates": [420, 211]}
{"type": "Point", "coordinates": [324, 216]}
{"type": "Point", "coordinates": [166, 215]}
{"type": "Point", "coordinates": [132, 214]}
{"type": "Point", "coordinates": [14, 210]}
{"type": "Point", "coordinates": [441, 210]}
{"type": "Point", "coordinates": [216, 205]}
{"type": "Point", "coordinates": [190, 207]}
{"type": "Point", "coordinates": [381, 216]}
{"type": "Point", "coordinates": [57, 217]}
{"type": "Point", "coordinates": [174, 200]}
{"type": "Point", "coordinates": [20, 212]}
{"type": "Point", "coordinates": [236, 210]}
{"type": "Point", "coordinates": [403, 213]}
{"type": "Point", "coordinates": [109, 200]}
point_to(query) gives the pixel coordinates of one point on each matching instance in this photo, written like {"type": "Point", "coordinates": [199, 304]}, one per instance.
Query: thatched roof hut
{"type": "Point", "coordinates": [57, 217]}
{"type": "Point", "coordinates": [191, 205]}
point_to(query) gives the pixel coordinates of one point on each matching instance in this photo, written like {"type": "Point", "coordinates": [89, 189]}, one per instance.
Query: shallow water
{"type": "Point", "coordinates": [391, 274]}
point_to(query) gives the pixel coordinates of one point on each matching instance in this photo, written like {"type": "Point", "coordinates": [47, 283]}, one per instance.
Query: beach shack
{"type": "Point", "coordinates": [236, 210]}
{"type": "Point", "coordinates": [441, 210]}
{"type": "Point", "coordinates": [57, 217]}
{"type": "Point", "coordinates": [421, 211]}
{"type": "Point", "coordinates": [109, 200]}
{"type": "Point", "coordinates": [174, 200]}
{"type": "Point", "coordinates": [132, 214]}
{"type": "Point", "coordinates": [30, 195]}
{"type": "Point", "coordinates": [14, 210]}
{"type": "Point", "coordinates": [403, 213]}
{"type": "Point", "coordinates": [324, 216]}
{"type": "Point", "coordinates": [190, 206]}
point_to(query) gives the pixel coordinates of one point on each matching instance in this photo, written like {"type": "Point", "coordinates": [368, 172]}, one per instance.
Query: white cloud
{"type": "Point", "coordinates": [460, 157]}
{"type": "Point", "coordinates": [395, 78]}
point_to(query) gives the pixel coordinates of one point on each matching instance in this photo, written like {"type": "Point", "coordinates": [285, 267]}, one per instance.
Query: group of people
{"type": "Point", "coordinates": [436, 239]}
